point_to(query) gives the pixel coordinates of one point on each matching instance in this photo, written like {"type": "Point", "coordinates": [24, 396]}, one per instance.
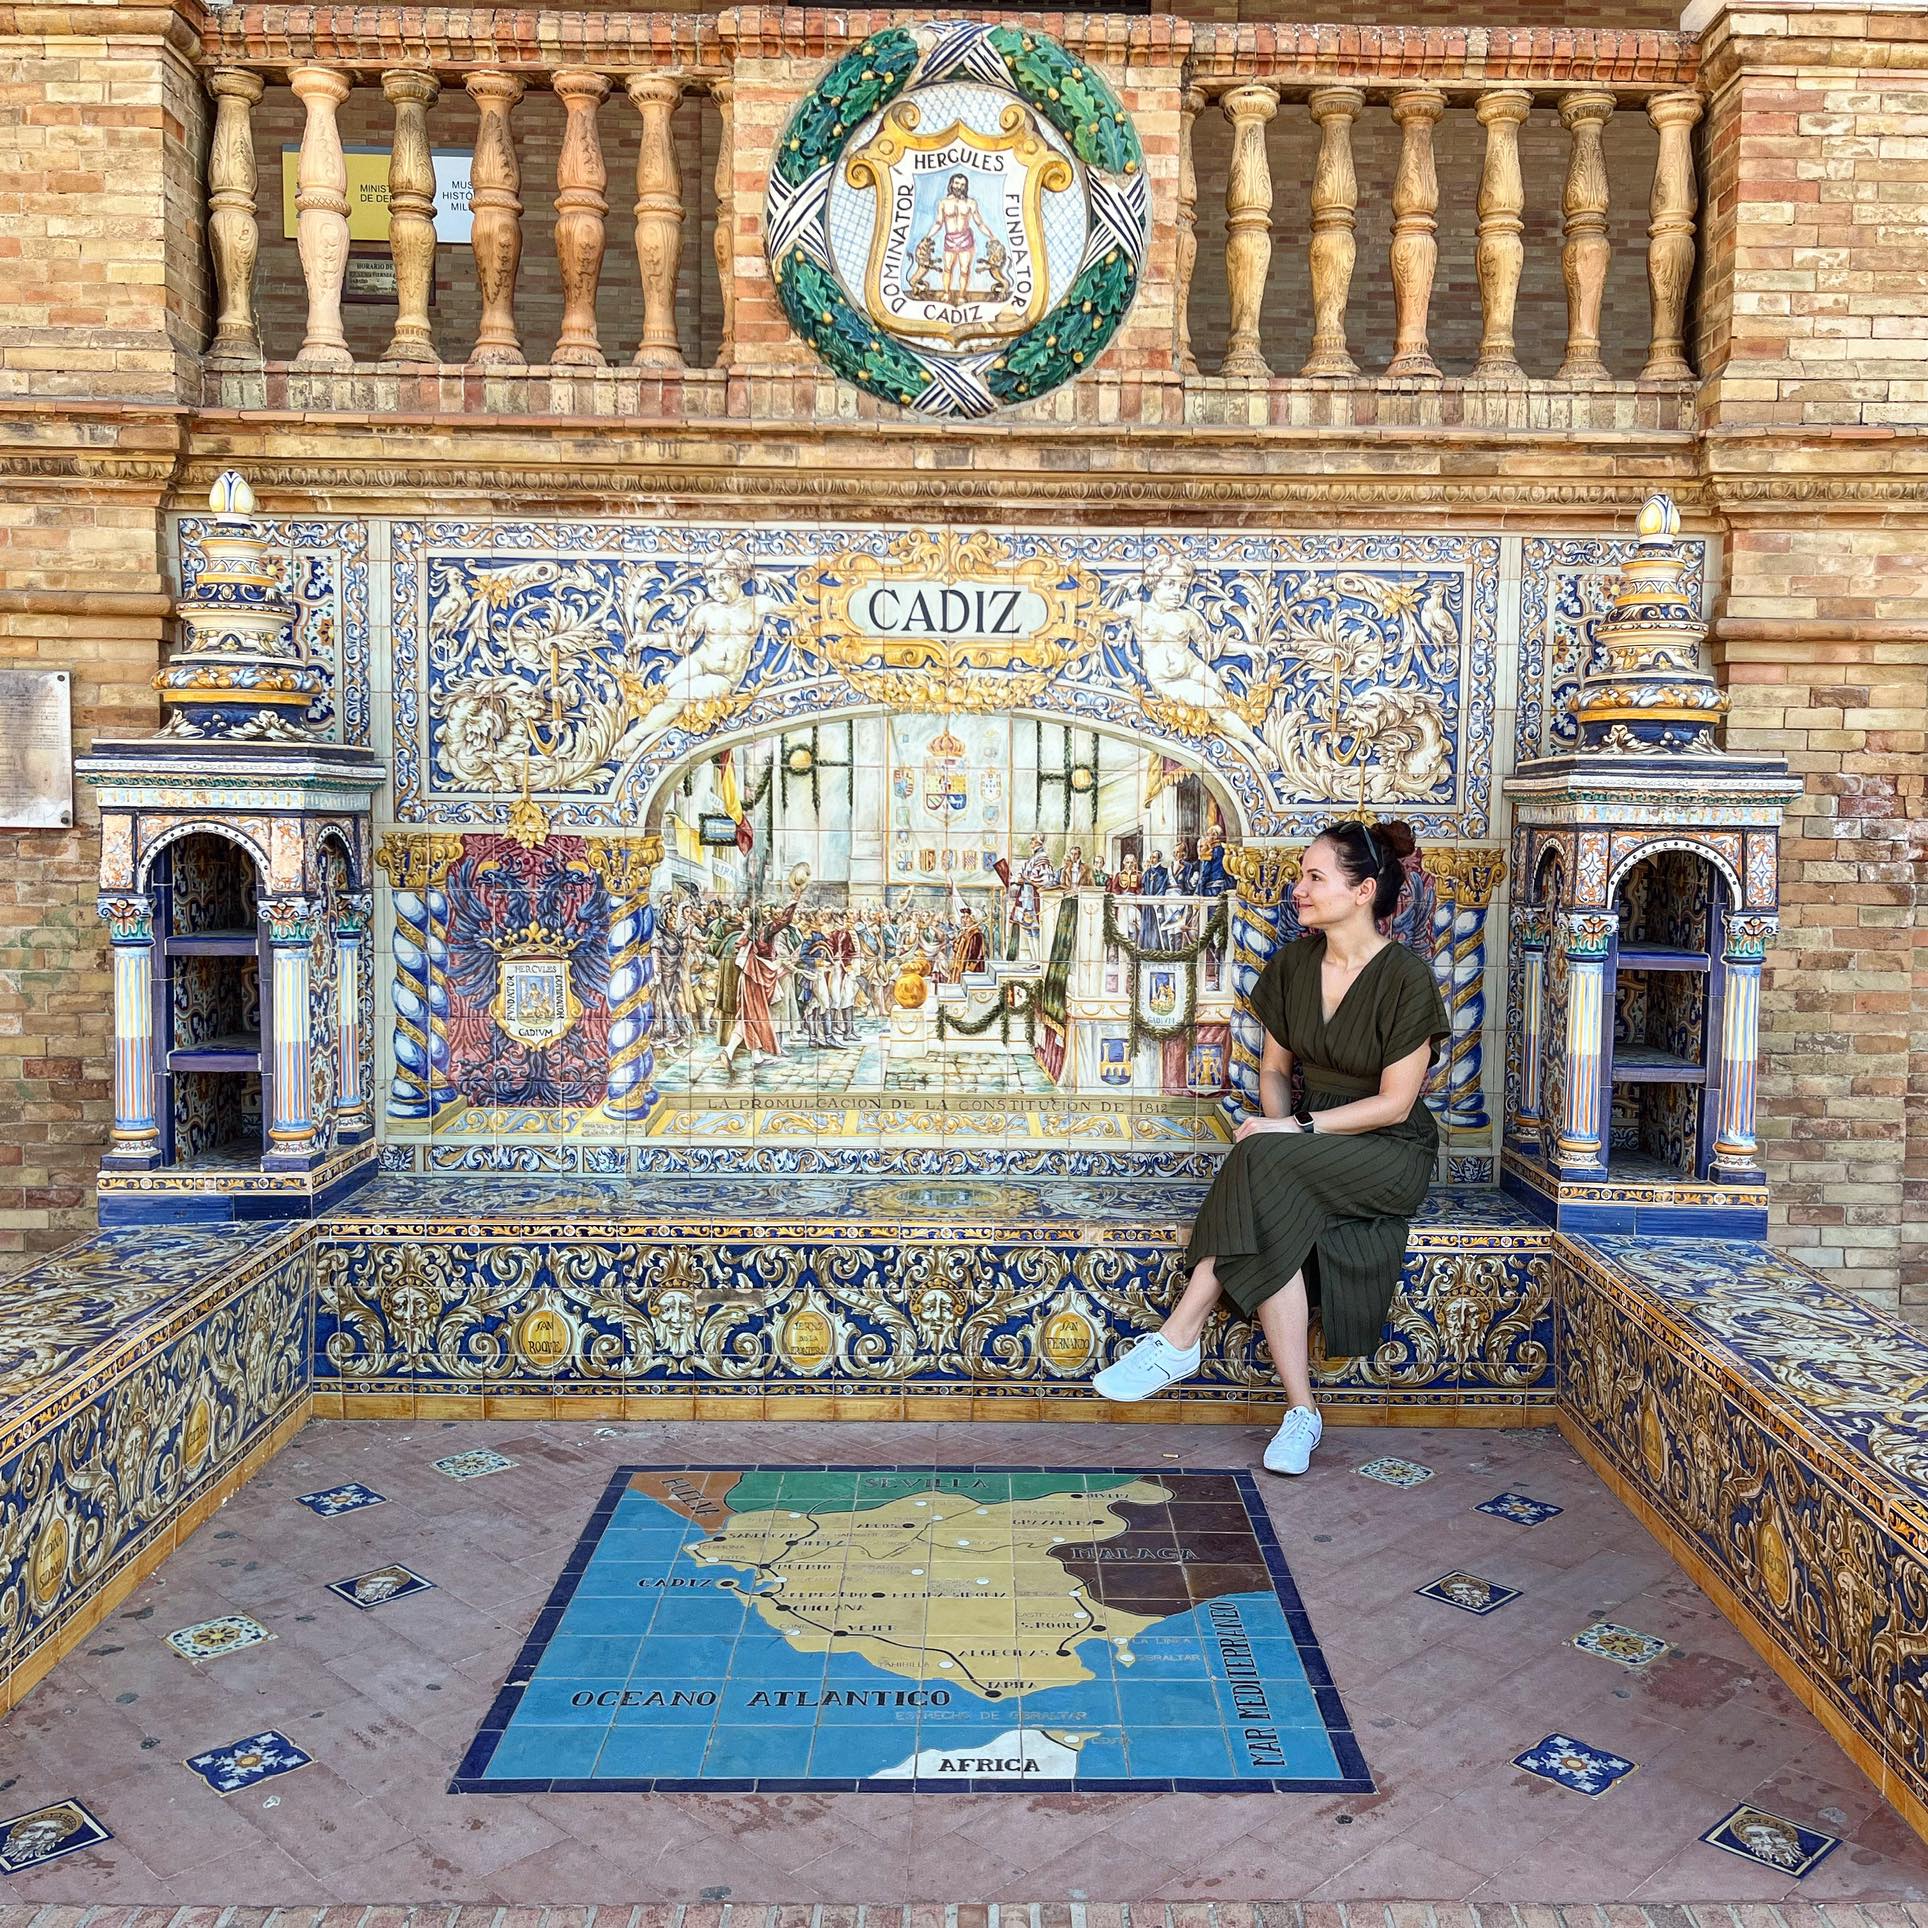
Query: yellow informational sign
{"type": "Point", "coordinates": [368, 193]}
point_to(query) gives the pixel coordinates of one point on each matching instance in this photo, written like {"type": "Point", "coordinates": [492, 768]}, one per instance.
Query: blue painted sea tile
{"type": "Point", "coordinates": [1570, 1763]}
{"type": "Point", "coordinates": [702, 1658]}
{"type": "Point", "coordinates": [1772, 1840]}
{"type": "Point", "coordinates": [347, 1498]}
{"type": "Point", "coordinates": [712, 1611]}
{"type": "Point", "coordinates": [650, 1753]}
{"type": "Point", "coordinates": [382, 1585]}
{"type": "Point", "coordinates": [1518, 1508]}
{"type": "Point", "coordinates": [244, 1763]}
{"type": "Point", "coordinates": [543, 1753]}
{"type": "Point", "coordinates": [1277, 1752]}
{"type": "Point", "coordinates": [1468, 1592]}
{"type": "Point", "coordinates": [613, 1616]}
{"type": "Point", "coordinates": [597, 1657]}
{"type": "Point", "coordinates": [751, 1752]}
{"type": "Point", "coordinates": [567, 1703]}
{"type": "Point", "coordinates": [1188, 1753]}
{"type": "Point", "coordinates": [669, 1703]}
{"type": "Point", "coordinates": [44, 1834]}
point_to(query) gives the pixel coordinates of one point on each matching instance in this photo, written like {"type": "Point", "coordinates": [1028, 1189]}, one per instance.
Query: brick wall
{"type": "Point", "coordinates": [1816, 332]}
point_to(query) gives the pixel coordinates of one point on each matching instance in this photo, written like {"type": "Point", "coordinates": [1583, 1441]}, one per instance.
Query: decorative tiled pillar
{"type": "Point", "coordinates": [626, 864]}
{"type": "Point", "coordinates": [293, 1129]}
{"type": "Point", "coordinates": [1263, 878]}
{"type": "Point", "coordinates": [1737, 1155]}
{"type": "Point", "coordinates": [1584, 937]}
{"type": "Point", "coordinates": [355, 1118]}
{"type": "Point", "coordinates": [137, 1121]}
{"type": "Point", "coordinates": [418, 866]}
{"type": "Point", "coordinates": [1467, 880]}
{"type": "Point", "coordinates": [1534, 928]}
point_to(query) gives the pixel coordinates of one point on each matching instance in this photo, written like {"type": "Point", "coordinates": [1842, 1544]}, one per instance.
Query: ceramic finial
{"type": "Point", "coordinates": [231, 495]}
{"type": "Point", "coordinates": [1659, 519]}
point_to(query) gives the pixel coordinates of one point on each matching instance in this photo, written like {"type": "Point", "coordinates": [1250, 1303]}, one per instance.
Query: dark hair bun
{"type": "Point", "coordinates": [1395, 838]}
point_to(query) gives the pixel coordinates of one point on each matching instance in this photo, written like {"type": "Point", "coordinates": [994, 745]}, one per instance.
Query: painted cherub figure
{"type": "Point", "coordinates": [714, 642]}
{"type": "Point", "coordinates": [1175, 651]}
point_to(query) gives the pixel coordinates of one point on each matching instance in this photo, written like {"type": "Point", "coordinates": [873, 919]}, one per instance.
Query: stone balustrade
{"type": "Point", "coordinates": [744, 69]}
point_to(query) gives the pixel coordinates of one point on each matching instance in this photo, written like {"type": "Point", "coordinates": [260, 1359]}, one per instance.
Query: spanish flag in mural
{"type": "Point", "coordinates": [732, 799]}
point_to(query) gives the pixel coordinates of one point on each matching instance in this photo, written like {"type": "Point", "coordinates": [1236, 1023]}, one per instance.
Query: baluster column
{"type": "Point", "coordinates": [1737, 1154]}
{"type": "Point", "coordinates": [723, 234]}
{"type": "Point", "coordinates": [1670, 236]}
{"type": "Point", "coordinates": [321, 215]}
{"type": "Point", "coordinates": [354, 1113]}
{"type": "Point", "coordinates": [495, 228]}
{"type": "Point", "coordinates": [234, 238]}
{"type": "Point", "coordinates": [1415, 251]}
{"type": "Point", "coordinates": [135, 1139]}
{"type": "Point", "coordinates": [1588, 253]}
{"type": "Point", "coordinates": [659, 217]}
{"type": "Point", "coordinates": [1585, 936]}
{"type": "Point", "coordinates": [1533, 925]}
{"type": "Point", "coordinates": [1335, 202]}
{"type": "Point", "coordinates": [293, 1128]}
{"type": "Point", "coordinates": [1498, 252]}
{"type": "Point", "coordinates": [1191, 103]}
{"type": "Point", "coordinates": [580, 207]}
{"type": "Point", "coordinates": [1248, 226]}
{"type": "Point", "coordinates": [411, 213]}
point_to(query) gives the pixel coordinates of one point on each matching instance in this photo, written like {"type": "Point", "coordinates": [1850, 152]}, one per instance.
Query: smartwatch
{"type": "Point", "coordinates": [1303, 1119]}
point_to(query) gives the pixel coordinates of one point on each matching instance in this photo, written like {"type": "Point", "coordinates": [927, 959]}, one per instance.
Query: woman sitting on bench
{"type": "Point", "coordinates": [1313, 1206]}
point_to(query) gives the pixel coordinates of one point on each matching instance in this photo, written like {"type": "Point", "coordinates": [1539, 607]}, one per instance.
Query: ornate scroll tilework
{"type": "Point", "coordinates": [1770, 1426]}
{"type": "Point", "coordinates": [155, 1414]}
{"type": "Point", "coordinates": [581, 664]}
{"type": "Point", "coordinates": [864, 1286]}
{"type": "Point", "coordinates": [325, 573]}
{"type": "Point", "coordinates": [1566, 586]}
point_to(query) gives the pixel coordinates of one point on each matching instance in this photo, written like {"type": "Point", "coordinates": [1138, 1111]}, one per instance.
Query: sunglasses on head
{"type": "Point", "coordinates": [1372, 849]}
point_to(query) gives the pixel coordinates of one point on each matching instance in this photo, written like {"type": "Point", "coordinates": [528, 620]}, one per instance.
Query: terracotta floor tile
{"type": "Point", "coordinates": [388, 1700]}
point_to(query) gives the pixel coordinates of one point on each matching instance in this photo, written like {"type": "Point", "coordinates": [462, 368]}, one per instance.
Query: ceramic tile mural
{"type": "Point", "coordinates": [854, 1286]}
{"type": "Point", "coordinates": [847, 847]}
{"type": "Point", "coordinates": [187, 1349]}
{"type": "Point", "coordinates": [1566, 586]}
{"type": "Point", "coordinates": [1769, 1425]}
{"type": "Point", "coordinates": [324, 562]}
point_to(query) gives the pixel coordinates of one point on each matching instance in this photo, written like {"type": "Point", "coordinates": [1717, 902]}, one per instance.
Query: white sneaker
{"type": "Point", "coordinates": [1290, 1449]}
{"type": "Point", "coordinates": [1150, 1366]}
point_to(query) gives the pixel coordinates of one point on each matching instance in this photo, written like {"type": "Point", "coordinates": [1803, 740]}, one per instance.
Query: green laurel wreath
{"type": "Point", "coordinates": [1076, 101]}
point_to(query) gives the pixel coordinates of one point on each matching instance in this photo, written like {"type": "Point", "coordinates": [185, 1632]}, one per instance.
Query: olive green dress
{"type": "Point", "coordinates": [1337, 1205]}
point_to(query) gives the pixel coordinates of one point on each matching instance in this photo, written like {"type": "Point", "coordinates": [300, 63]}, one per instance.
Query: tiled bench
{"type": "Point", "coordinates": [143, 1376]}
{"type": "Point", "coordinates": [1773, 1433]}
{"type": "Point", "coordinates": [868, 1298]}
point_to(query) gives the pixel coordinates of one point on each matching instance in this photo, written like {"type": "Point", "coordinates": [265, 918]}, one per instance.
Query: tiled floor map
{"type": "Point", "coordinates": [866, 1629]}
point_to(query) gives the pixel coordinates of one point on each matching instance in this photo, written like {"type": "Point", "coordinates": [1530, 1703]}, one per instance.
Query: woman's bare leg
{"type": "Point", "coordinates": [1187, 1318]}
{"type": "Point", "coordinates": [1285, 1317]}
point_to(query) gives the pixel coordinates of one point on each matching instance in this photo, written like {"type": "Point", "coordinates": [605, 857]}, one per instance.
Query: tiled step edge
{"type": "Point", "coordinates": [1066, 1914]}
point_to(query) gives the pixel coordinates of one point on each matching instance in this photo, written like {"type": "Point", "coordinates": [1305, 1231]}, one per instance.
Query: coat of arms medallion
{"type": "Point", "coordinates": [956, 216]}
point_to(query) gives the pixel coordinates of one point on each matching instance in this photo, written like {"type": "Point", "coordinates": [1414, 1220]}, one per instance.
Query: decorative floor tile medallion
{"type": "Point", "coordinates": [475, 1464]}
{"type": "Point", "coordinates": [1392, 1471]}
{"type": "Point", "coordinates": [32, 1840]}
{"type": "Point", "coordinates": [381, 1586]}
{"type": "Point", "coordinates": [931, 1628]}
{"type": "Point", "coordinates": [209, 1639]}
{"type": "Point", "coordinates": [1468, 1592]}
{"type": "Point", "coordinates": [244, 1764]}
{"type": "Point", "coordinates": [349, 1498]}
{"type": "Point", "coordinates": [1519, 1509]}
{"type": "Point", "coordinates": [1587, 1770]}
{"type": "Point", "coordinates": [1630, 1649]}
{"type": "Point", "coordinates": [1772, 1840]}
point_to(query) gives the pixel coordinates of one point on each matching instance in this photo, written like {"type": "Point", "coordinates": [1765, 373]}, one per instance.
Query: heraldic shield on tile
{"type": "Point", "coordinates": [956, 216]}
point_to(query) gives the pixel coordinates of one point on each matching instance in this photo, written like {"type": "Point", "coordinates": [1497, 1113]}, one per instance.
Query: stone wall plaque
{"type": "Point", "coordinates": [36, 749]}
